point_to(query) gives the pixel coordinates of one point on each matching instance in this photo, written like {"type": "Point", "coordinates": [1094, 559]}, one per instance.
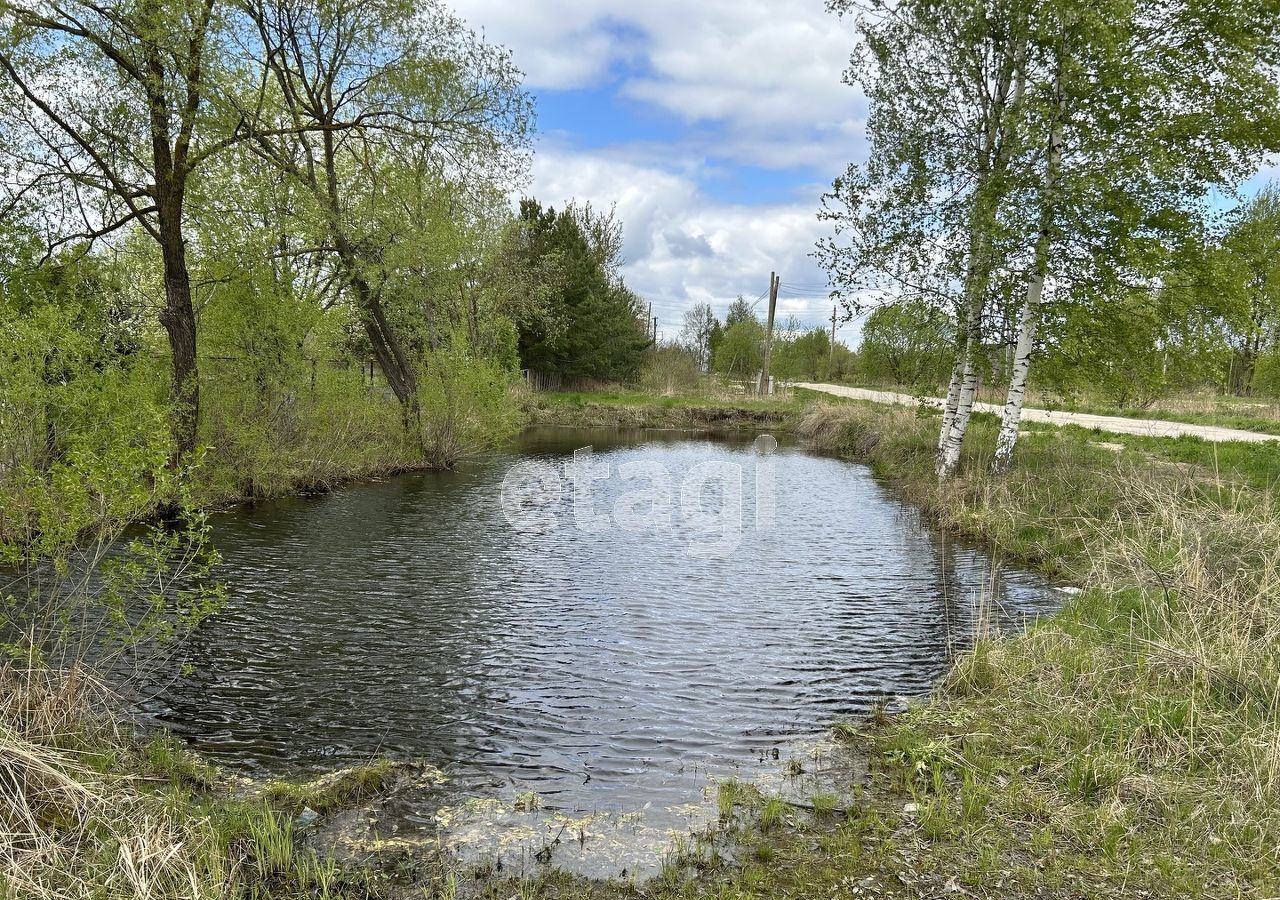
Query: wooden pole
{"type": "Point", "coordinates": [774, 283]}
{"type": "Point", "coordinates": [832, 360]}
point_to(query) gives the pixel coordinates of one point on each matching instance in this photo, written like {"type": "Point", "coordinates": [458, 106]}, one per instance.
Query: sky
{"type": "Point", "coordinates": [714, 126]}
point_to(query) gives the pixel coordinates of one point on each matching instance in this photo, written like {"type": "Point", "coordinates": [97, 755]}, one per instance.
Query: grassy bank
{"type": "Point", "coordinates": [637, 409]}
{"type": "Point", "coordinates": [87, 810]}
{"type": "Point", "coordinates": [1132, 742]}
{"type": "Point", "coordinates": [1129, 746]}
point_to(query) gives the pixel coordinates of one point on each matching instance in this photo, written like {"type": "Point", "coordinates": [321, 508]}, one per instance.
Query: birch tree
{"type": "Point", "coordinates": [1148, 107]}
{"type": "Point", "coordinates": [921, 218]}
{"type": "Point", "coordinates": [699, 325]}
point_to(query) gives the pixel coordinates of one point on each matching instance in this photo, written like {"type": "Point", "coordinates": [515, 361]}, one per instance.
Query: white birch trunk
{"type": "Point", "coordinates": [956, 424]}
{"type": "Point", "coordinates": [949, 459]}
{"type": "Point", "coordinates": [1011, 416]}
{"type": "Point", "coordinates": [949, 405]}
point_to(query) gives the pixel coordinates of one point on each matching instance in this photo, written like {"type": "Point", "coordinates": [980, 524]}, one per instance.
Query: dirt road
{"type": "Point", "coordinates": [1112, 424]}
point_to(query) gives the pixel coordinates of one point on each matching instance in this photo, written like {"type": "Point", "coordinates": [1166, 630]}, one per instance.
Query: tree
{"type": "Point", "coordinates": [375, 101]}
{"type": "Point", "coordinates": [1132, 344]}
{"type": "Point", "coordinates": [800, 353]}
{"type": "Point", "coordinates": [907, 343]}
{"type": "Point", "coordinates": [740, 351]}
{"type": "Point", "coordinates": [123, 146]}
{"type": "Point", "coordinates": [594, 325]}
{"type": "Point", "coordinates": [1145, 108]}
{"type": "Point", "coordinates": [739, 311]}
{"type": "Point", "coordinates": [1064, 144]}
{"type": "Point", "coordinates": [1251, 251]}
{"type": "Point", "coordinates": [699, 328]}
{"type": "Point", "coordinates": [921, 218]}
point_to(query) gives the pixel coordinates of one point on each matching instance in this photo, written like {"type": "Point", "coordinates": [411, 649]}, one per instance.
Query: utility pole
{"type": "Point", "coordinates": [655, 327]}
{"type": "Point", "coordinates": [832, 360]}
{"type": "Point", "coordinates": [649, 321]}
{"type": "Point", "coordinates": [774, 283]}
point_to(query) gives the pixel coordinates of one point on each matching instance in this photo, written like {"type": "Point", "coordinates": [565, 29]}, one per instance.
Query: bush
{"type": "Point", "coordinates": [670, 370]}
{"type": "Point", "coordinates": [466, 404]}
{"type": "Point", "coordinates": [1266, 375]}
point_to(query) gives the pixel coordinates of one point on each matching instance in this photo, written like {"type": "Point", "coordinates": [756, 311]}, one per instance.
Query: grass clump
{"type": "Point", "coordinates": [85, 812]}
{"type": "Point", "coordinates": [74, 820]}
{"type": "Point", "coordinates": [331, 791]}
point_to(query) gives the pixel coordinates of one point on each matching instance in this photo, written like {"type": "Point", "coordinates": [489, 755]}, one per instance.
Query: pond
{"type": "Point", "coordinates": [610, 644]}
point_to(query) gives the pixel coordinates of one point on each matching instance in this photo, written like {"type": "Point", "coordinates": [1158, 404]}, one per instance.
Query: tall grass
{"type": "Point", "coordinates": [1135, 737]}
{"type": "Point", "coordinates": [88, 812]}
{"type": "Point", "coordinates": [73, 827]}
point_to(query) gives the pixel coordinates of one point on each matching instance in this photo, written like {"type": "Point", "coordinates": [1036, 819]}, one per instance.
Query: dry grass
{"type": "Point", "coordinates": [69, 826]}
{"type": "Point", "coordinates": [1133, 741]}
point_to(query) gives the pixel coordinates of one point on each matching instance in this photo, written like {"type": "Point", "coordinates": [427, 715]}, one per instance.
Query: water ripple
{"type": "Point", "coordinates": [406, 616]}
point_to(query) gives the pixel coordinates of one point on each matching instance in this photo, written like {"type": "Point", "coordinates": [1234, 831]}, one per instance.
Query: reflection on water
{"type": "Point", "coordinates": [602, 670]}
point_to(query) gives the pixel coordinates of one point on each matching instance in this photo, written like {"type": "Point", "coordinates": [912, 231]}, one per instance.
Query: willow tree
{"type": "Point", "coordinates": [366, 94]}
{"type": "Point", "coordinates": [107, 121]}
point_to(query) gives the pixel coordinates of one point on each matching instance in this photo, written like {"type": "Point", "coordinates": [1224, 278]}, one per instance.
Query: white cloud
{"type": "Point", "coordinates": [765, 74]}
{"type": "Point", "coordinates": [683, 247]}
{"type": "Point", "coordinates": [755, 82]}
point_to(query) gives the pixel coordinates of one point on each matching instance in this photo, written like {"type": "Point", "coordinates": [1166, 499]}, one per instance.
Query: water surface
{"type": "Point", "coordinates": [605, 670]}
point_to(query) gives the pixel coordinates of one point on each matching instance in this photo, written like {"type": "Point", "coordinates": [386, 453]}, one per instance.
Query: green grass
{"type": "Point", "coordinates": [1129, 746]}
{"type": "Point", "coordinates": [708, 409]}
{"type": "Point", "coordinates": [332, 791]}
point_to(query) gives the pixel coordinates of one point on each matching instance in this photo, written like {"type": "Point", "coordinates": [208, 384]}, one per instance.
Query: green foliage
{"type": "Point", "coordinates": [593, 326]}
{"type": "Point", "coordinates": [1247, 282]}
{"type": "Point", "coordinates": [801, 355]}
{"type": "Point", "coordinates": [907, 343]}
{"type": "Point", "coordinates": [1132, 345]}
{"type": "Point", "coordinates": [332, 791]}
{"type": "Point", "coordinates": [740, 350]}
{"type": "Point", "coordinates": [466, 403]}
{"type": "Point", "coordinates": [85, 445]}
{"type": "Point", "coordinates": [1266, 375]}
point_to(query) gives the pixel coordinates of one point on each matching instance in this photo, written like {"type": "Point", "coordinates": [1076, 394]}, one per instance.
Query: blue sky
{"type": "Point", "coordinates": [714, 126]}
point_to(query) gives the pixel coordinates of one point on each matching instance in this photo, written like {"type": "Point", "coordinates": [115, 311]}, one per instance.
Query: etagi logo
{"type": "Point", "coordinates": [708, 501]}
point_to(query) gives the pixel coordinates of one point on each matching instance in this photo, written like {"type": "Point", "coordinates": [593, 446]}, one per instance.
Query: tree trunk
{"type": "Point", "coordinates": [949, 457]}
{"type": "Point", "coordinates": [386, 346]}
{"type": "Point", "coordinates": [178, 316]}
{"type": "Point", "coordinates": [1011, 416]}
{"type": "Point", "coordinates": [179, 320]}
{"type": "Point", "coordinates": [993, 165]}
{"type": "Point", "coordinates": [387, 349]}
{"type": "Point", "coordinates": [956, 418]}
{"type": "Point", "coordinates": [953, 400]}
